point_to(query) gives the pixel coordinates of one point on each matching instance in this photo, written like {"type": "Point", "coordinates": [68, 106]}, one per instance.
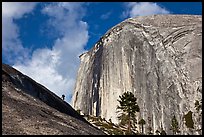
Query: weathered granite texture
{"type": "Point", "coordinates": [28, 108]}
{"type": "Point", "coordinates": [158, 58]}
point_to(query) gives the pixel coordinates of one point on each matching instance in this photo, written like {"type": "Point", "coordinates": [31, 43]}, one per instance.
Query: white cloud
{"type": "Point", "coordinates": [56, 68]}
{"type": "Point", "coordinates": [143, 9]}
{"type": "Point", "coordinates": [12, 48]}
{"type": "Point", "coordinates": [17, 9]}
{"type": "Point", "coordinates": [106, 15]}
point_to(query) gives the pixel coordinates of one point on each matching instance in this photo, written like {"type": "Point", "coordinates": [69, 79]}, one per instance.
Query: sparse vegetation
{"type": "Point", "coordinates": [106, 126]}
{"type": "Point", "coordinates": [198, 105]}
{"type": "Point", "coordinates": [163, 132]}
{"type": "Point", "coordinates": [149, 128]}
{"type": "Point", "coordinates": [157, 132]}
{"type": "Point", "coordinates": [127, 119]}
{"type": "Point", "coordinates": [79, 111]}
{"type": "Point", "coordinates": [174, 125]}
{"type": "Point", "coordinates": [188, 120]}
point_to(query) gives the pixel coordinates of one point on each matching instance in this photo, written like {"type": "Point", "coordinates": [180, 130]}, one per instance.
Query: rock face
{"type": "Point", "coordinates": [158, 58]}
{"type": "Point", "coordinates": [29, 108]}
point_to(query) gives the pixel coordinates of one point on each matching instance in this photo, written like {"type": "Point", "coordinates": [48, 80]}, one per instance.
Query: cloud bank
{"type": "Point", "coordinates": [56, 68]}
{"type": "Point", "coordinates": [143, 9]}
{"type": "Point", "coordinates": [12, 48]}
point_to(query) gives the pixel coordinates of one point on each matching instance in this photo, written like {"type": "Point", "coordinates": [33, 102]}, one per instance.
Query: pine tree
{"type": "Point", "coordinates": [127, 109]}
{"type": "Point", "coordinates": [174, 125]}
{"type": "Point", "coordinates": [142, 123]}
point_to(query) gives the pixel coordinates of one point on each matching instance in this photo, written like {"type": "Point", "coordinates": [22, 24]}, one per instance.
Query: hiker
{"type": "Point", "coordinates": [63, 96]}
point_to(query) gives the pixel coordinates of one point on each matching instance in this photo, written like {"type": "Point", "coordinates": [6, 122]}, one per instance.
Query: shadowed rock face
{"type": "Point", "coordinates": [29, 108]}
{"type": "Point", "coordinates": [158, 58]}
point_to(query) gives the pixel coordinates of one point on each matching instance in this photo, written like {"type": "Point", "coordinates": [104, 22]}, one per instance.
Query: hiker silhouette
{"type": "Point", "coordinates": [63, 96]}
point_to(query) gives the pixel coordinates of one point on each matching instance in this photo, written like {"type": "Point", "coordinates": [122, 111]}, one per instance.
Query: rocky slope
{"type": "Point", "coordinates": [158, 58]}
{"type": "Point", "coordinates": [29, 108]}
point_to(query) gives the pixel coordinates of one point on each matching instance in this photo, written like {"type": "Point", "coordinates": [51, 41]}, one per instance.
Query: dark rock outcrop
{"type": "Point", "coordinates": [30, 108]}
{"type": "Point", "coordinates": [158, 58]}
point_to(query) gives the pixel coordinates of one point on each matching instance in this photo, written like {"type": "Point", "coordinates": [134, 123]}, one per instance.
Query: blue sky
{"type": "Point", "coordinates": [44, 40]}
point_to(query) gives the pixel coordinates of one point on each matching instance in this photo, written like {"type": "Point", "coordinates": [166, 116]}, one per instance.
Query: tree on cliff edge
{"type": "Point", "coordinates": [127, 110]}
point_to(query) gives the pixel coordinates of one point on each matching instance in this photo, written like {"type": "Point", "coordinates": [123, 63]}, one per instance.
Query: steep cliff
{"type": "Point", "coordinates": [158, 58]}
{"type": "Point", "coordinates": [29, 108]}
